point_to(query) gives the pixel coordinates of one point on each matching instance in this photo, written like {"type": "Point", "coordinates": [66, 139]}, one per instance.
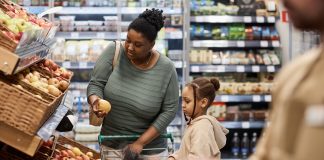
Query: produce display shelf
{"type": "Point", "coordinates": [235, 44]}
{"type": "Point", "coordinates": [243, 98]}
{"type": "Point", "coordinates": [233, 19]}
{"type": "Point", "coordinates": [198, 68]}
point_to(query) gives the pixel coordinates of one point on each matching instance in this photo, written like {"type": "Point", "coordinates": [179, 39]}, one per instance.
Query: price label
{"type": "Point", "coordinates": [101, 35]}
{"type": "Point", "coordinates": [224, 98]}
{"type": "Point", "coordinates": [271, 19]}
{"type": "Point", "coordinates": [194, 68]}
{"type": "Point", "coordinates": [75, 35]}
{"type": "Point", "coordinates": [220, 68]}
{"type": "Point", "coordinates": [83, 64]}
{"type": "Point", "coordinates": [240, 69]}
{"type": "Point", "coordinates": [76, 93]}
{"type": "Point", "coordinates": [256, 98]}
{"type": "Point", "coordinates": [260, 19]}
{"type": "Point", "coordinates": [264, 44]}
{"type": "Point", "coordinates": [268, 98]}
{"type": "Point", "coordinates": [247, 19]}
{"type": "Point", "coordinates": [275, 44]}
{"type": "Point", "coordinates": [245, 125]}
{"type": "Point", "coordinates": [271, 68]}
{"type": "Point", "coordinates": [255, 68]}
{"type": "Point", "coordinates": [175, 35]}
{"type": "Point", "coordinates": [66, 64]}
{"type": "Point", "coordinates": [241, 44]}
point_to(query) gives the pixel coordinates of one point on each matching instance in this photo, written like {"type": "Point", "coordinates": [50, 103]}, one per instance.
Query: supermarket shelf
{"type": "Point", "coordinates": [197, 68]}
{"type": "Point", "coordinates": [107, 35]}
{"type": "Point", "coordinates": [234, 159]}
{"type": "Point", "coordinates": [233, 19]}
{"type": "Point", "coordinates": [234, 44]}
{"type": "Point", "coordinates": [90, 65]}
{"type": "Point", "coordinates": [113, 10]}
{"type": "Point", "coordinates": [243, 125]}
{"type": "Point", "coordinates": [243, 98]}
{"type": "Point", "coordinates": [35, 9]}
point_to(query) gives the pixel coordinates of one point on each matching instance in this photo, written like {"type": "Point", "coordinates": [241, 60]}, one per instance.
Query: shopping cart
{"type": "Point", "coordinates": [117, 154]}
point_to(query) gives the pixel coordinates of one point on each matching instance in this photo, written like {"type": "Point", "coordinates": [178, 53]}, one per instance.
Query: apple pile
{"type": "Point", "coordinates": [53, 86]}
{"type": "Point", "coordinates": [72, 154]}
{"type": "Point", "coordinates": [18, 21]}
{"type": "Point", "coordinates": [52, 67]}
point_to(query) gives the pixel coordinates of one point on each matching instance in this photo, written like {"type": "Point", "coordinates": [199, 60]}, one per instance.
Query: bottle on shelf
{"type": "Point", "coordinates": [235, 145]}
{"type": "Point", "coordinates": [254, 142]}
{"type": "Point", "coordinates": [245, 145]}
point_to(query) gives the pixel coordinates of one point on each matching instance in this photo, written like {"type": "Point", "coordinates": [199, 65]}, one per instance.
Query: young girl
{"type": "Point", "coordinates": [204, 135]}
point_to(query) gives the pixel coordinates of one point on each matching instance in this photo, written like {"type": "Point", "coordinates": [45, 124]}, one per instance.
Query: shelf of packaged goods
{"type": "Point", "coordinates": [90, 65]}
{"type": "Point", "coordinates": [30, 144]}
{"type": "Point", "coordinates": [232, 19]}
{"type": "Point", "coordinates": [11, 63]}
{"type": "Point", "coordinates": [199, 68]}
{"type": "Point", "coordinates": [234, 159]}
{"type": "Point", "coordinates": [235, 44]}
{"type": "Point", "coordinates": [243, 98]}
{"type": "Point", "coordinates": [244, 125]}
{"type": "Point", "coordinates": [113, 10]}
{"type": "Point", "coordinates": [109, 35]}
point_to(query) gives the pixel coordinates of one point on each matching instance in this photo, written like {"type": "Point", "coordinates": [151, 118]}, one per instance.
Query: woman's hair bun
{"type": "Point", "coordinates": [215, 83]}
{"type": "Point", "coordinates": [154, 17]}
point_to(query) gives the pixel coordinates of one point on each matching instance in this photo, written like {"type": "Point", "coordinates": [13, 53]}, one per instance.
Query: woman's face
{"type": "Point", "coordinates": [188, 102]}
{"type": "Point", "coordinates": [137, 46]}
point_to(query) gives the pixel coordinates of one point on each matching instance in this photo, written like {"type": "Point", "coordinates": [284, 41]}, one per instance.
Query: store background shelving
{"type": "Point", "coordinates": [179, 50]}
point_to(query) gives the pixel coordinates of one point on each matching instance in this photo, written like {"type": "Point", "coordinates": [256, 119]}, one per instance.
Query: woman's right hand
{"type": "Point", "coordinates": [94, 103]}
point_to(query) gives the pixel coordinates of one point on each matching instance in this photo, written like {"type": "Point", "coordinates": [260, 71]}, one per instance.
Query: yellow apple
{"type": "Point", "coordinates": [104, 105]}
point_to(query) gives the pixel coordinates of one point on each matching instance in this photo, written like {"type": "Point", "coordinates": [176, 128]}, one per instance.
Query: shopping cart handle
{"type": "Point", "coordinates": [102, 138]}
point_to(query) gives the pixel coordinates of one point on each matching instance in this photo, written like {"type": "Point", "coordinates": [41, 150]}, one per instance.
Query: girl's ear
{"type": "Point", "coordinates": [204, 102]}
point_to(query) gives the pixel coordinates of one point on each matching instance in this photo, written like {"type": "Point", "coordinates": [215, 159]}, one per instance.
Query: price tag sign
{"type": "Point", "coordinates": [255, 68]}
{"type": "Point", "coordinates": [268, 98]}
{"type": "Point", "coordinates": [271, 68]}
{"type": "Point", "coordinates": [194, 68]}
{"type": "Point", "coordinates": [264, 44]}
{"type": "Point", "coordinates": [256, 98]}
{"type": "Point", "coordinates": [66, 64]}
{"type": "Point", "coordinates": [101, 35]}
{"type": "Point", "coordinates": [221, 68]}
{"type": "Point", "coordinates": [275, 44]}
{"type": "Point", "coordinates": [271, 19]}
{"type": "Point", "coordinates": [240, 69]}
{"type": "Point", "coordinates": [83, 64]}
{"type": "Point", "coordinates": [224, 98]}
{"type": "Point", "coordinates": [75, 35]}
{"type": "Point", "coordinates": [241, 44]}
{"type": "Point", "coordinates": [245, 125]}
{"type": "Point", "coordinates": [260, 19]}
{"type": "Point", "coordinates": [247, 19]}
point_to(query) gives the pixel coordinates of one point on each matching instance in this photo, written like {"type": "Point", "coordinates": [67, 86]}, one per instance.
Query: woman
{"type": "Point", "coordinates": [142, 88]}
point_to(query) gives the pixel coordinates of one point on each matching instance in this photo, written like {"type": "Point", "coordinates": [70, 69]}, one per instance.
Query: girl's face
{"type": "Point", "coordinates": [137, 46]}
{"type": "Point", "coordinates": [188, 103]}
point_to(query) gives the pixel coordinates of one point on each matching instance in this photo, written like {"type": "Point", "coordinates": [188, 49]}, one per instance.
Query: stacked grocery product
{"type": "Point", "coordinates": [233, 32]}
{"type": "Point", "coordinates": [234, 7]}
{"type": "Point", "coordinates": [234, 57]}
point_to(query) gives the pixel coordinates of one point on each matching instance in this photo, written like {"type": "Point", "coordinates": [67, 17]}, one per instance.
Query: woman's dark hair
{"type": "Point", "coordinates": [204, 88]}
{"type": "Point", "coordinates": [149, 23]}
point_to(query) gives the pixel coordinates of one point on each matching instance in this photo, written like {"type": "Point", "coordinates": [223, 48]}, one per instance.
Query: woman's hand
{"type": "Point", "coordinates": [94, 103]}
{"type": "Point", "coordinates": [136, 147]}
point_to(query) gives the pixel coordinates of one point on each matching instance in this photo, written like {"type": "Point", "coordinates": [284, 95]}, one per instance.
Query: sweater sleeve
{"type": "Point", "coordinates": [203, 142]}
{"type": "Point", "coordinates": [169, 105]}
{"type": "Point", "coordinates": [101, 72]}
